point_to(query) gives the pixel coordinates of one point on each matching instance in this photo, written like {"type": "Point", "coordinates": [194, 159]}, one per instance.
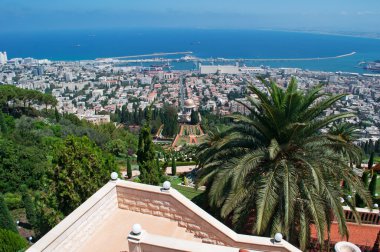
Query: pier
{"type": "Point", "coordinates": [127, 60]}
{"type": "Point", "coordinates": [147, 55]}
{"type": "Point", "coordinates": [298, 59]}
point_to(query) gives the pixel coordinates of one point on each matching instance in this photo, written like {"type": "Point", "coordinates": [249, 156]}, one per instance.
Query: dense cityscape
{"type": "Point", "coordinates": [95, 90]}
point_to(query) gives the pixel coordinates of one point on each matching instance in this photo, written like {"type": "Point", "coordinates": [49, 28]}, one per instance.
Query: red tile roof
{"type": "Point", "coordinates": [361, 235]}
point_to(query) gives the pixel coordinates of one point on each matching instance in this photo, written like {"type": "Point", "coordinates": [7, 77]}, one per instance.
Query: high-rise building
{"type": "Point", "coordinates": [68, 77]}
{"type": "Point", "coordinates": [40, 70]}
{"type": "Point", "coordinates": [37, 71]}
{"type": "Point", "coordinates": [3, 57]}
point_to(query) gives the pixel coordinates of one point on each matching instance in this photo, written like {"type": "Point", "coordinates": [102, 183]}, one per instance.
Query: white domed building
{"type": "Point", "coordinates": [188, 107]}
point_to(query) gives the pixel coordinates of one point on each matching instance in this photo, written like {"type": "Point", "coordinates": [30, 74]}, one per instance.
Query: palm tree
{"type": "Point", "coordinates": [345, 134]}
{"type": "Point", "coordinates": [276, 171]}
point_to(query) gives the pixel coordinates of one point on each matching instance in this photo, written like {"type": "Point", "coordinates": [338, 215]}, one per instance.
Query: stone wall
{"type": "Point", "coordinates": [164, 204]}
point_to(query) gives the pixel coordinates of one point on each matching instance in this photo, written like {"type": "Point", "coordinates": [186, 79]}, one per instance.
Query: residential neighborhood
{"type": "Point", "coordinates": [95, 89]}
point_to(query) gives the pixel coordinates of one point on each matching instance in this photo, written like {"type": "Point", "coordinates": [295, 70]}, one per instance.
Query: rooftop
{"type": "Point", "coordinates": [189, 103]}
{"type": "Point", "coordinates": [169, 221]}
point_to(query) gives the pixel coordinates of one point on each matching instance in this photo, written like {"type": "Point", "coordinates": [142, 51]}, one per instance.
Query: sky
{"type": "Point", "coordinates": [319, 15]}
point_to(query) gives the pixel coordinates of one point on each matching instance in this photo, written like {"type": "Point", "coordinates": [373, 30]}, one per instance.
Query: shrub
{"type": "Point", "coordinates": [11, 242]}
{"type": "Point", "coordinates": [185, 163]}
{"type": "Point", "coordinates": [137, 180]}
{"type": "Point", "coordinates": [13, 201]}
{"type": "Point", "coordinates": [6, 220]}
{"type": "Point", "coordinates": [29, 206]}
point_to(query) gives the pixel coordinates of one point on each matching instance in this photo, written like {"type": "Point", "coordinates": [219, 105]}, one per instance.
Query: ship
{"type": "Point", "coordinates": [371, 66]}
{"type": "Point", "coordinates": [161, 67]}
{"type": "Point", "coordinates": [187, 58]}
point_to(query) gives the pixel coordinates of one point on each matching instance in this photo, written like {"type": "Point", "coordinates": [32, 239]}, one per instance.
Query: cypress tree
{"type": "Point", "coordinates": [377, 146]}
{"type": "Point", "coordinates": [366, 148]}
{"type": "Point", "coordinates": [194, 117]}
{"type": "Point", "coordinates": [57, 115]}
{"type": "Point", "coordinates": [371, 146]}
{"type": "Point", "coordinates": [129, 167]}
{"type": "Point", "coordinates": [123, 115]}
{"type": "Point", "coordinates": [372, 184]}
{"type": "Point", "coordinates": [29, 206]}
{"type": "Point", "coordinates": [149, 173]}
{"type": "Point", "coordinates": [174, 166]}
{"type": "Point", "coordinates": [370, 161]}
{"type": "Point", "coordinates": [3, 125]}
{"type": "Point", "coordinates": [158, 163]}
{"type": "Point", "coordinates": [359, 202]}
{"type": "Point", "coordinates": [365, 177]}
{"type": "Point", "coordinates": [6, 220]}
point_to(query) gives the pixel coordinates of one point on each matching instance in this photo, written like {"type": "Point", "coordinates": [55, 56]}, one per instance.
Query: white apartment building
{"type": "Point", "coordinates": [3, 57]}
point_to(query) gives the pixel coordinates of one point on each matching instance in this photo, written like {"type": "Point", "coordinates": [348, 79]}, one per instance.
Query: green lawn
{"type": "Point", "coordinates": [188, 192]}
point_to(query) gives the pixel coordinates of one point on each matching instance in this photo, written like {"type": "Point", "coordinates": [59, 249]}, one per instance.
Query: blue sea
{"type": "Point", "coordinates": [91, 44]}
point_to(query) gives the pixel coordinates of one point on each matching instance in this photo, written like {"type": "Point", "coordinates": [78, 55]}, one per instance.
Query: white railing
{"type": "Point", "coordinates": [366, 216]}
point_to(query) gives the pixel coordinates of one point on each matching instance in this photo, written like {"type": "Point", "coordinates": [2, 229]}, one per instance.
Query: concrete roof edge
{"type": "Point", "coordinates": [69, 220]}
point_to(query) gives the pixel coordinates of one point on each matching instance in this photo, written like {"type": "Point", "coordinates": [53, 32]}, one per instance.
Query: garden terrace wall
{"type": "Point", "coordinates": [80, 225]}
{"type": "Point", "coordinates": [173, 205]}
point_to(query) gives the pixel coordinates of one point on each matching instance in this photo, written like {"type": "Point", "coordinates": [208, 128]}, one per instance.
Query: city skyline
{"type": "Point", "coordinates": [352, 16]}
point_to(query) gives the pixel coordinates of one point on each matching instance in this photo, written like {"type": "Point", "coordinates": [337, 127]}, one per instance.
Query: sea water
{"type": "Point", "coordinates": [91, 44]}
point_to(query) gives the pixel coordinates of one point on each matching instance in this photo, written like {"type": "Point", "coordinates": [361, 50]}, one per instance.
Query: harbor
{"type": "Point", "coordinates": [188, 58]}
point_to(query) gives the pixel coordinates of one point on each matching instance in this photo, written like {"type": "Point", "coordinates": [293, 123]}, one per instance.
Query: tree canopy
{"type": "Point", "coordinates": [149, 172]}
{"type": "Point", "coordinates": [79, 169]}
{"type": "Point", "coordinates": [6, 220]}
{"type": "Point", "coordinates": [23, 97]}
{"type": "Point", "coordinates": [169, 118]}
{"type": "Point", "coordinates": [11, 242]}
{"type": "Point", "coordinates": [276, 171]}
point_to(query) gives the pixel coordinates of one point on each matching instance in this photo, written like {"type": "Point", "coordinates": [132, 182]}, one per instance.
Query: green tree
{"type": "Point", "coordinates": [158, 163]}
{"type": "Point", "coordinates": [149, 174]}
{"type": "Point", "coordinates": [194, 117]}
{"type": "Point", "coordinates": [3, 124]}
{"type": "Point", "coordinates": [116, 147]}
{"type": "Point", "coordinates": [6, 220]}
{"type": "Point", "coordinates": [276, 171]}
{"type": "Point", "coordinates": [129, 167]}
{"type": "Point", "coordinates": [11, 242]}
{"type": "Point", "coordinates": [79, 169]}
{"type": "Point", "coordinates": [29, 206]}
{"type": "Point", "coordinates": [21, 164]}
{"type": "Point", "coordinates": [365, 177]}
{"type": "Point", "coordinates": [373, 184]}
{"type": "Point", "coordinates": [370, 161]}
{"type": "Point", "coordinates": [174, 166]}
{"type": "Point", "coordinates": [169, 118]}
{"type": "Point", "coordinates": [377, 146]}
{"type": "Point", "coordinates": [345, 134]}
{"type": "Point", "coordinates": [57, 115]}
{"type": "Point", "coordinates": [49, 100]}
